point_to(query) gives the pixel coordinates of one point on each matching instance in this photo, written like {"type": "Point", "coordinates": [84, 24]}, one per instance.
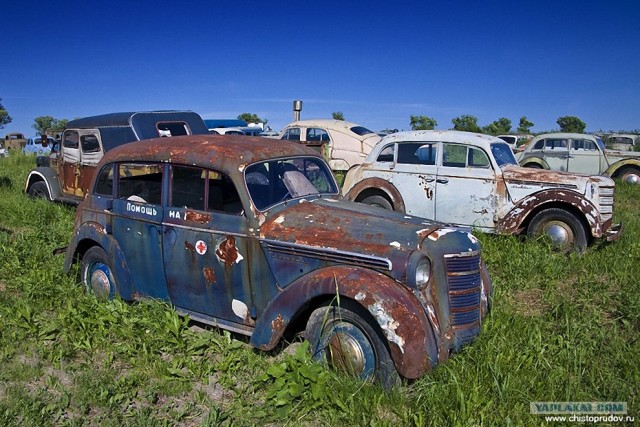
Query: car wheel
{"type": "Point", "coordinates": [378, 201]}
{"type": "Point", "coordinates": [343, 339]}
{"type": "Point", "coordinates": [629, 175]}
{"type": "Point", "coordinates": [96, 273]}
{"type": "Point", "coordinates": [533, 166]}
{"type": "Point", "coordinates": [39, 190]}
{"type": "Point", "coordinates": [566, 231]}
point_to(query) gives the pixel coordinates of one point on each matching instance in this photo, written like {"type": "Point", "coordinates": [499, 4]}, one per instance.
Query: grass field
{"type": "Point", "coordinates": [563, 328]}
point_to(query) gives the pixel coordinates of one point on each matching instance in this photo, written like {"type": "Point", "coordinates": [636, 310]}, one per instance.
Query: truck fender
{"type": "Point", "coordinates": [513, 222]}
{"type": "Point", "coordinates": [542, 163]}
{"type": "Point", "coordinates": [398, 313]}
{"type": "Point", "coordinates": [49, 177]}
{"type": "Point", "coordinates": [95, 234]}
{"type": "Point", "coordinates": [358, 192]}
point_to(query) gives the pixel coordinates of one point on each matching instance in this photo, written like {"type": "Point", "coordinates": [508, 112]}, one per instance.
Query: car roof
{"type": "Point", "coordinates": [225, 153]}
{"type": "Point", "coordinates": [441, 136]}
{"type": "Point", "coordinates": [341, 125]}
{"type": "Point", "coordinates": [564, 135]}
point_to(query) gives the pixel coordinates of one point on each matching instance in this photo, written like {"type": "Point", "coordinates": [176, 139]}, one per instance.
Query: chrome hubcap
{"type": "Point", "coordinates": [561, 235]}
{"type": "Point", "coordinates": [345, 354]}
{"type": "Point", "coordinates": [631, 178]}
{"type": "Point", "coordinates": [99, 283]}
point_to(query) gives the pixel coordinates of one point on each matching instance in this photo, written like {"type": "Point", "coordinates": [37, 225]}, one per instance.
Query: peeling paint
{"type": "Point", "coordinates": [240, 309]}
{"type": "Point", "coordinates": [395, 244]}
{"type": "Point", "coordinates": [388, 325]}
{"type": "Point", "coordinates": [441, 233]}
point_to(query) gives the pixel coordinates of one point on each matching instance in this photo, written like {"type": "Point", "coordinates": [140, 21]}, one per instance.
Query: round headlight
{"type": "Point", "coordinates": [423, 272]}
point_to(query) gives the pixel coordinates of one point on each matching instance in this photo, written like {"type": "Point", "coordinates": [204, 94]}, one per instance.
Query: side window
{"type": "Point", "coordinates": [89, 144]}
{"type": "Point", "coordinates": [417, 153]}
{"type": "Point", "coordinates": [70, 139]}
{"type": "Point", "coordinates": [386, 155]}
{"type": "Point", "coordinates": [104, 181]}
{"type": "Point", "coordinates": [454, 155]}
{"type": "Point", "coordinates": [583, 144]}
{"type": "Point", "coordinates": [292, 134]}
{"type": "Point", "coordinates": [539, 145]}
{"type": "Point", "coordinates": [556, 145]}
{"type": "Point", "coordinates": [202, 189]}
{"type": "Point", "coordinates": [317, 135]}
{"type": "Point", "coordinates": [140, 183]}
{"type": "Point", "coordinates": [477, 158]}
{"type": "Point", "coordinates": [172, 128]}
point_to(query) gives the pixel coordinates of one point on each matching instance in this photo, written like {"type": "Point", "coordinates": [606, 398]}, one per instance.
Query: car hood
{"type": "Point", "coordinates": [341, 225]}
{"type": "Point", "coordinates": [520, 175]}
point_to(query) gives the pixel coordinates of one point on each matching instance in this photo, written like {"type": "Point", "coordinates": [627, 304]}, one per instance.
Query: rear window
{"type": "Point", "coordinates": [361, 130]}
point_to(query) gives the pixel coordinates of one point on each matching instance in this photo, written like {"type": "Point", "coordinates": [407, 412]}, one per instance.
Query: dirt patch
{"type": "Point", "coordinates": [529, 302]}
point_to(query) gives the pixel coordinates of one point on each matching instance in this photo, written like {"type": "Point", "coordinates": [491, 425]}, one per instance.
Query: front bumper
{"type": "Point", "coordinates": [613, 233]}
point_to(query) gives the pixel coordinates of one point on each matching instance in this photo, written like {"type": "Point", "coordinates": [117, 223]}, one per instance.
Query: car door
{"type": "Point", "coordinates": [556, 153]}
{"type": "Point", "coordinates": [80, 153]}
{"type": "Point", "coordinates": [137, 225]}
{"type": "Point", "coordinates": [584, 157]}
{"type": "Point", "coordinates": [466, 187]}
{"type": "Point", "coordinates": [205, 247]}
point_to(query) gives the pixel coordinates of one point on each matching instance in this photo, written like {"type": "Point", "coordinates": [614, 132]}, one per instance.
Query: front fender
{"type": "Point", "coordinates": [615, 167]}
{"type": "Point", "coordinates": [396, 310]}
{"type": "Point", "coordinates": [93, 234]}
{"type": "Point", "coordinates": [536, 161]}
{"type": "Point", "coordinates": [513, 222]}
{"type": "Point", "coordinates": [49, 177]}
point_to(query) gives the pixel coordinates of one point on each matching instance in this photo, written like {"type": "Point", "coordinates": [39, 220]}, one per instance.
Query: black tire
{"type": "Point", "coordinates": [96, 273]}
{"type": "Point", "coordinates": [378, 201]}
{"type": "Point", "coordinates": [533, 166]}
{"type": "Point", "coordinates": [343, 339]}
{"type": "Point", "coordinates": [629, 175]}
{"type": "Point", "coordinates": [39, 190]}
{"type": "Point", "coordinates": [566, 231]}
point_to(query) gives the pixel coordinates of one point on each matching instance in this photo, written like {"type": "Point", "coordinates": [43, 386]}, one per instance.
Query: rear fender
{"type": "Point", "coordinates": [94, 234]}
{"type": "Point", "coordinates": [536, 161]}
{"type": "Point", "coordinates": [358, 190]}
{"type": "Point", "coordinates": [49, 177]}
{"type": "Point", "coordinates": [613, 169]}
{"type": "Point", "coordinates": [398, 313]}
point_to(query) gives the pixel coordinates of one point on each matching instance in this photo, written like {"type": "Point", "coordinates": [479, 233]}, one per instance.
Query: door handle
{"type": "Point", "coordinates": [428, 179]}
{"type": "Point", "coordinates": [442, 180]}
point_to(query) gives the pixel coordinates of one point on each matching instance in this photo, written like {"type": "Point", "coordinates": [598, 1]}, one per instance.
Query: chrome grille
{"type": "Point", "coordinates": [606, 202]}
{"type": "Point", "coordinates": [464, 284]}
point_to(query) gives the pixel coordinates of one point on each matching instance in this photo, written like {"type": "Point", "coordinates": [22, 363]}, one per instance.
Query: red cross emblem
{"type": "Point", "coordinates": [201, 247]}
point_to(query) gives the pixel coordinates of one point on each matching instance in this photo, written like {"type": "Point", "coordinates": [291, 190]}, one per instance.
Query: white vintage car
{"type": "Point", "coordinates": [474, 180]}
{"type": "Point", "coordinates": [343, 144]}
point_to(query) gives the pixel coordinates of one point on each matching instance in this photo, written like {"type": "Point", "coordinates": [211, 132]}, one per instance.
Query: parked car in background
{"type": "Point", "coordinates": [516, 142]}
{"type": "Point", "coordinates": [580, 153]}
{"type": "Point", "coordinates": [38, 145]}
{"type": "Point", "coordinates": [250, 234]}
{"type": "Point", "coordinates": [14, 141]}
{"type": "Point", "coordinates": [67, 173]}
{"type": "Point", "coordinates": [473, 180]}
{"type": "Point", "coordinates": [622, 142]}
{"type": "Point", "coordinates": [343, 144]}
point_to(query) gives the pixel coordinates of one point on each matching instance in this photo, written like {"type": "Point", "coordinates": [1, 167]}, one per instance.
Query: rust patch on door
{"type": "Point", "coordinates": [209, 275]}
{"type": "Point", "coordinates": [227, 251]}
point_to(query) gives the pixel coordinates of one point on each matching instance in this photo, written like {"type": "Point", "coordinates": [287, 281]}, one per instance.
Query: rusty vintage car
{"type": "Point", "coordinates": [250, 234]}
{"type": "Point", "coordinates": [473, 180]}
{"type": "Point", "coordinates": [64, 175]}
{"type": "Point", "coordinates": [580, 153]}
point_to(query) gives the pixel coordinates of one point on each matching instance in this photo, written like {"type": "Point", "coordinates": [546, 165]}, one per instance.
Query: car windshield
{"type": "Point", "coordinates": [274, 181]}
{"type": "Point", "coordinates": [503, 154]}
{"type": "Point", "coordinates": [600, 143]}
{"type": "Point", "coordinates": [361, 130]}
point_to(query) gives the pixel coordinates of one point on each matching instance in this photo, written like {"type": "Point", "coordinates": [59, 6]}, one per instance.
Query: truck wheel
{"type": "Point", "coordinates": [378, 201]}
{"type": "Point", "coordinates": [96, 273]}
{"type": "Point", "coordinates": [342, 338]}
{"type": "Point", "coordinates": [39, 190]}
{"type": "Point", "coordinates": [565, 230]}
{"type": "Point", "coordinates": [629, 175]}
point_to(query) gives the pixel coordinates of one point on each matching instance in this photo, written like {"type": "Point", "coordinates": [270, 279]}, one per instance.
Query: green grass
{"type": "Point", "coordinates": [563, 328]}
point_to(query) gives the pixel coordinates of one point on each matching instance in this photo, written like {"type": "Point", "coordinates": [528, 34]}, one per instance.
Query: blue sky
{"type": "Point", "coordinates": [376, 62]}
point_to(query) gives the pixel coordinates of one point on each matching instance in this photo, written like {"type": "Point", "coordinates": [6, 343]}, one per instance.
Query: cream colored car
{"type": "Point", "coordinates": [343, 144]}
